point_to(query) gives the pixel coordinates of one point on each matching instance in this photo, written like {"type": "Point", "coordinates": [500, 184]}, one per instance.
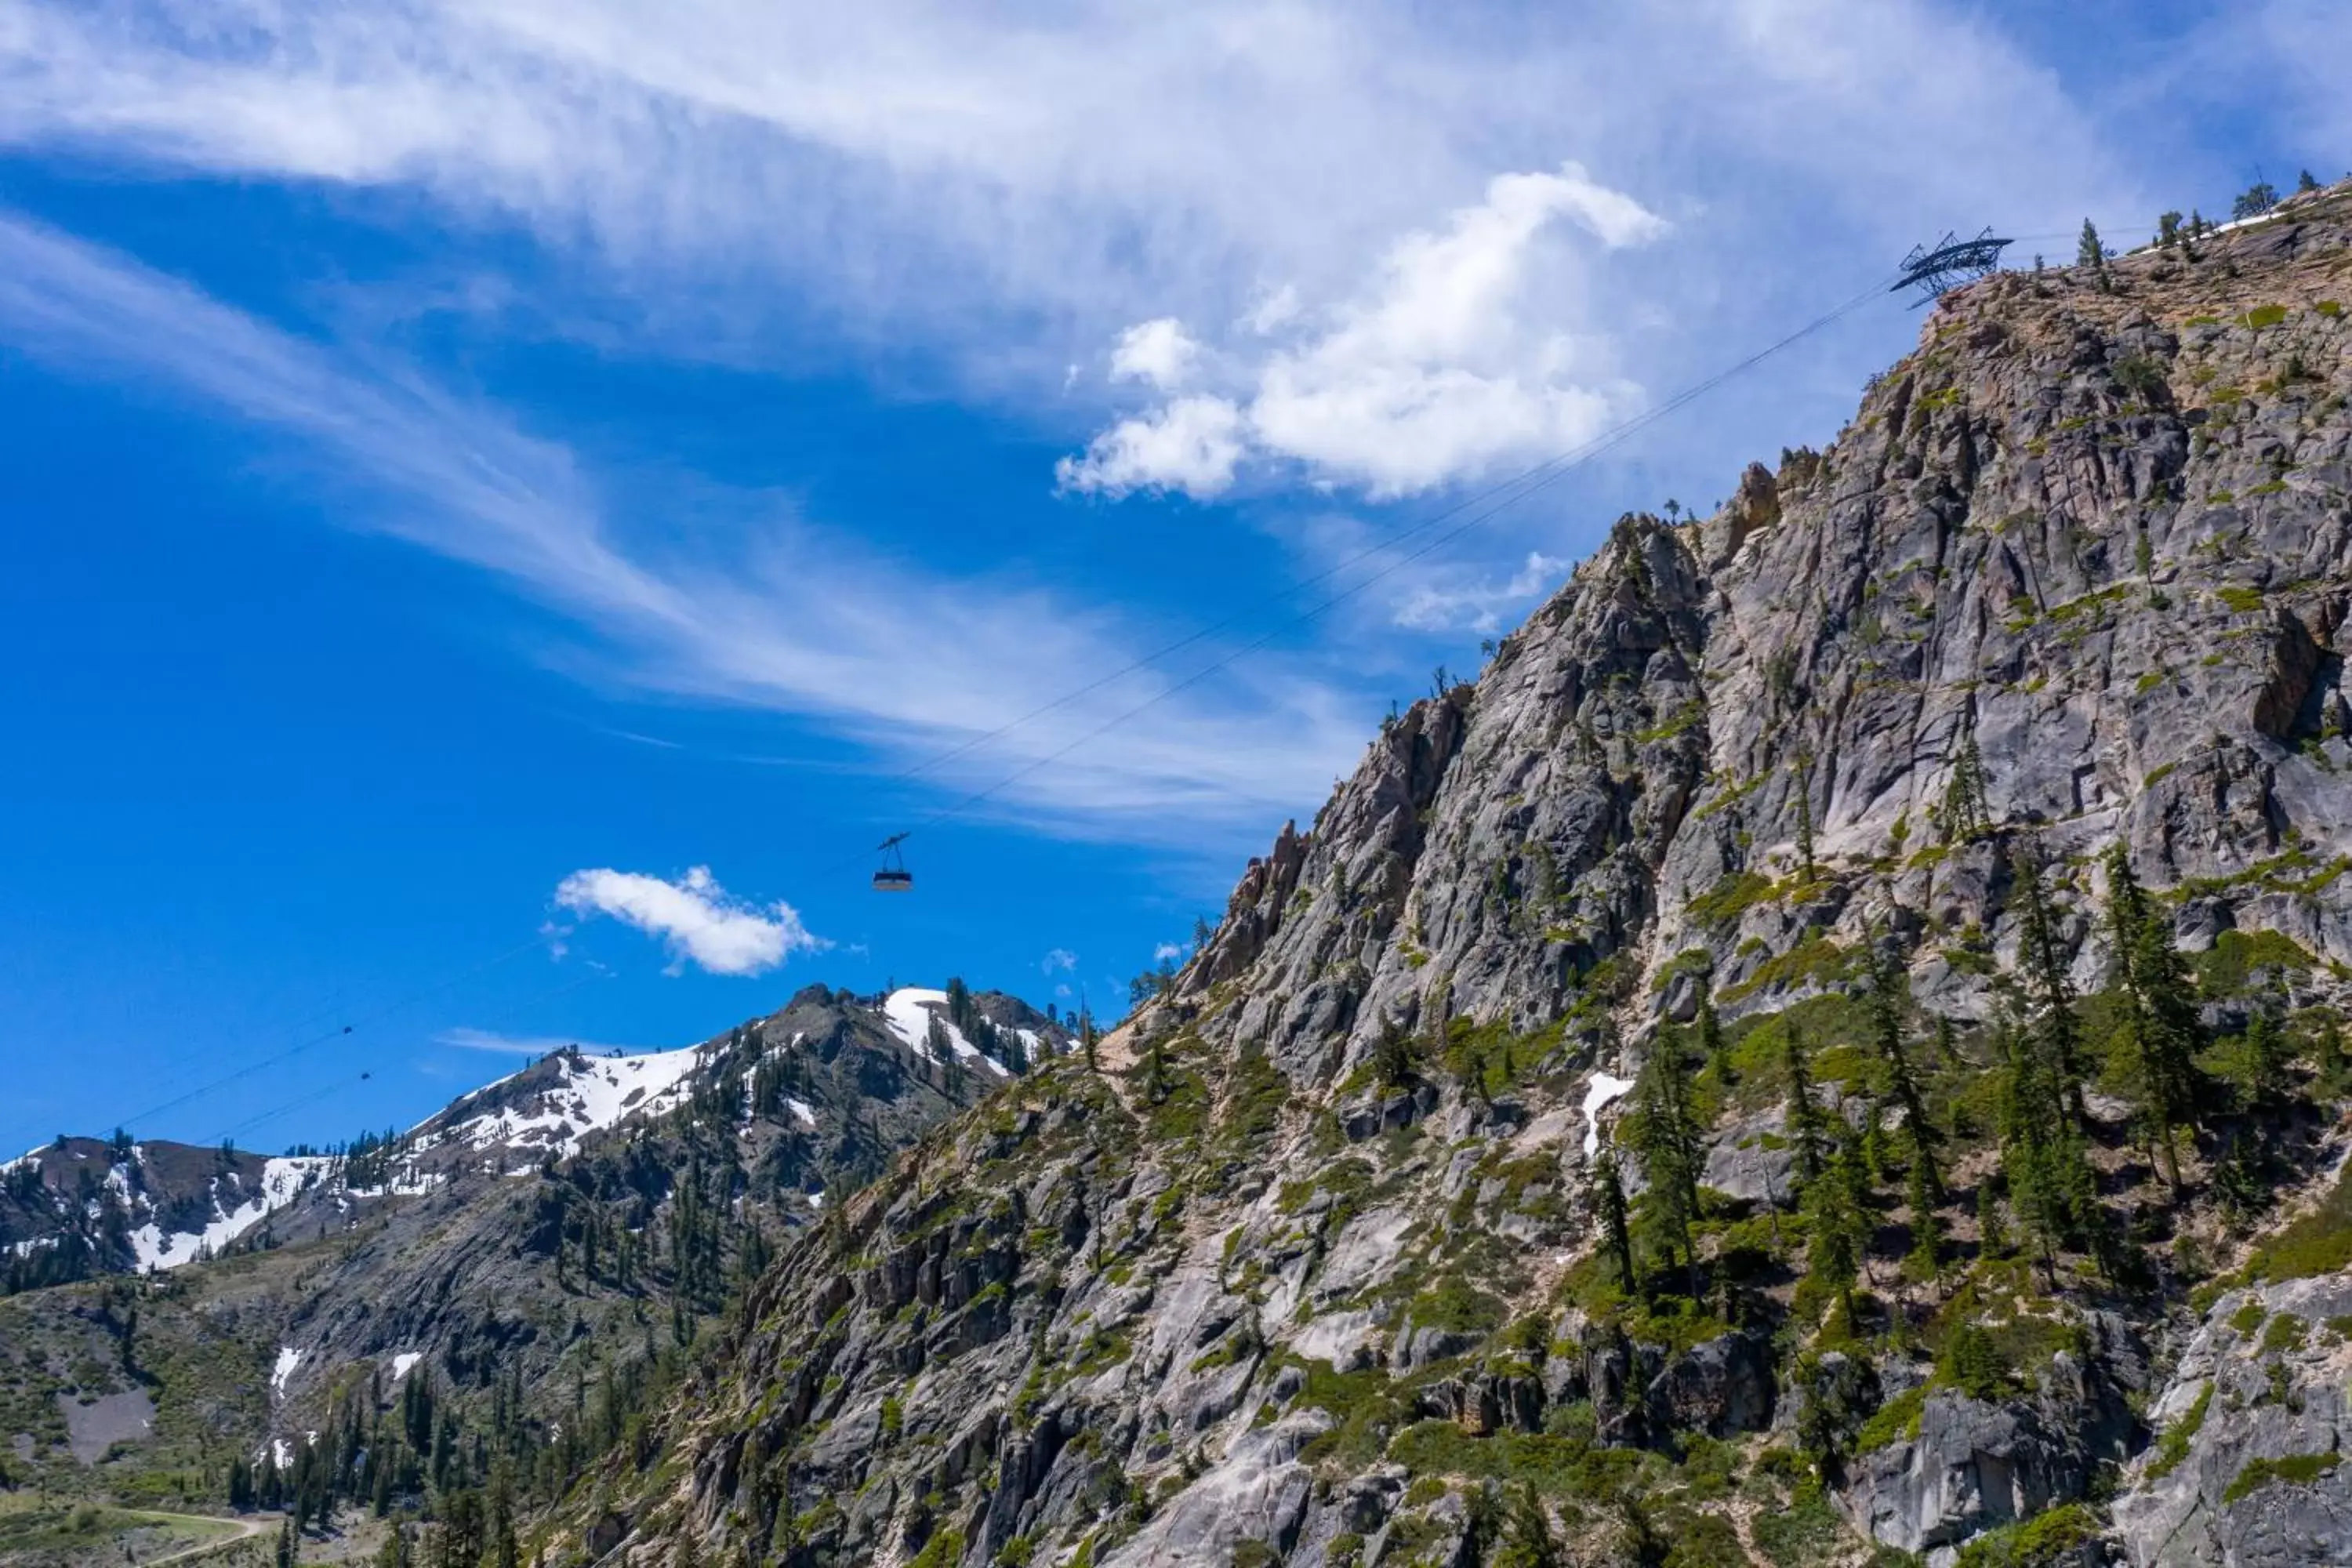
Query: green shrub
{"type": "Point", "coordinates": [1972, 1363]}
{"type": "Point", "coordinates": [1897, 1421]}
{"type": "Point", "coordinates": [2045, 1541]}
{"type": "Point", "coordinates": [2318, 1243]}
{"type": "Point", "coordinates": [2173, 1447]}
{"type": "Point", "coordinates": [1730, 898]}
{"type": "Point", "coordinates": [2295, 1471]}
{"type": "Point", "coordinates": [1805, 1533]}
{"type": "Point", "coordinates": [2287, 1332]}
{"type": "Point", "coordinates": [2225, 968]}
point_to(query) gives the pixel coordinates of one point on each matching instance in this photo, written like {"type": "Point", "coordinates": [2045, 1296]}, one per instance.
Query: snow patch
{"type": "Point", "coordinates": [592, 1094]}
{"type": "Point", "coordinates": [907, 1010]}
{"type": "Point", "coordinates": [1605, 1088]}
{"type": "Point", "coordinates": [402, 1363]}
{"type": "Point", "coordinates": [801, 1109]}
{"type": "Point", "coordinates": [236, 1210]}
{"type": "Point", "coordinates": [288, 1358]}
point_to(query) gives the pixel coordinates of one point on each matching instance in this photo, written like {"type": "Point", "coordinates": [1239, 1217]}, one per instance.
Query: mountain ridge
{"type": "Point", "coordinates": [1812, 822]}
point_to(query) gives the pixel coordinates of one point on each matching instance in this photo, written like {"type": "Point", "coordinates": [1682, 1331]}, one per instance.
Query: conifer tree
{"type": "Point", "coordinates": [1805, 812]}
{"type": "Point", "coordinates": [1668, 1138]}
{"type": "Point", "coordinates": [2161, 1030]}
{"type": "Point", "coordinates": [1711, 1044]}
{"type": "Point", "coordinates": [2265, 1047]}
{"type": "Point", "coordinates": [2088, 250]}
{"type": "Point", "coordinates": [2327, 1054]}
{"type": "Point", "coordinates": [1528, 1539]}
{"type": "Point", "coordinates": [1948, 1045]}
{"type": "Point", "coordinates": [1884, 1001]}
{"type": "Point", "coordinates": [1834, 1226]}
{"type": "Point", "coordinates": [1617, 1233]}
{"type": "Point", "coordinates": [1993, 1235]}
{"type": "Point", "coordinates": [1803, 1118]}
{"type": "Point", "coordinates": [1926, 1256]}
{"type": "Point", "coordinates": [1964, 815]}
{"type": "Point", "coordinates": [2058, 1035]}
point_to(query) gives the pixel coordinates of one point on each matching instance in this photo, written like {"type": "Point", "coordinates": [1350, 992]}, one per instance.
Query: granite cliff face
{"type": "Point", "coordinates": [1308, 1265]}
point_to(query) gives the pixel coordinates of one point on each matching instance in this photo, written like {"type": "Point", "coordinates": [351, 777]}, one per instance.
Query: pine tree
{"type": "Point", "coordinates": [2088, 251]}
{"type": "Point", "coordinates": [1884, 1003]}
{"type": "Point", "coordinates": [1992, 1236]}
{"type": "Point", "coordinates": [2327, 1055]}
{"type": "Point", "coordinates": [286, 1547]}
{"type": "Point", "coordinates": [1803, 1118]}
{"type": "Point", "coordinates": [1805, 812]}
{"type": "Point", "coordinates": [2050, 1183]}
{"type": "Point", "coordinates": [2266, 1053]}
{"type": "Point", "coordinates": [2058, 1035]}
{"type": "Point", "coordinates": [1618, 1234]}
{"type": "Point", "coordinates": [1528, 1539]}
{"type": "Point", "coordinates": [1964, 815]}
{"type": "Point", "coordinates": [1834, 1226]}
{"type": "Point", "coordinates": [1711, 1044]}
{"type": "Point", "coordinates": [2161, 1029]}
{"type": "Point", "coordinates": [2305, 182]}
{"type": "Point", "coordinates": [1926, 1256]}
{"type": "Point", "coordinates": [1667, 1136]}
{"type": "Point", "coordinates": [1947, 1044]}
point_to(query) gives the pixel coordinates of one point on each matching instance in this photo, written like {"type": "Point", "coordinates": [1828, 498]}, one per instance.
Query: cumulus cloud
{"type": "Point", "coordinates": [1167, 951]}
{"type": "Point", "coordinates": [695, 918]}
{"type": "Point", "coordinates": [1192, 445]}
{"type": "Point", "coordinates": [1061, 958]}
{"type": "Point", "coordinates": [1159, 352]}
{"type": "Point", "coordinates": [469, 1039]}
{"type": "Point", "coordinates": [1480, 606]}
{"type": "Point", "coordinates": [1433, 371]}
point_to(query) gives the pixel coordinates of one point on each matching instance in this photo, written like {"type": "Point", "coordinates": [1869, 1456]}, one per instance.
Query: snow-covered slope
{"type": "Point", "coordinates": [910, 1011]}
{"type": "Point", "coordinates": [237, 1208]}
{"type": "Point", "coordinates": [585, 1094]}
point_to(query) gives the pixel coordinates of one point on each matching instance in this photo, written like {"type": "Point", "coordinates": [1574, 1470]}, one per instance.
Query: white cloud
{"type": "Point", "coordinates": [523, 1044]}
{"type": "Point", "coordinates": [1480, 606]}
{"type": "Point", "coordinates": [1433, 372]}
{"type": "Point", "coordinates": [1061, 958]}
{"type": "Point", "coordinates": [1167, 951]}
{"type": "Point", "coordinates": [694, 917]}
{"type": "Point", "coordinates": [1159, 352]}
{"type": "Point", "coordinates": [1191, 444]}
{"type": "Point", "coordinates": [778, 613]}
{"type": "Point", "coordinates": [920, 172]}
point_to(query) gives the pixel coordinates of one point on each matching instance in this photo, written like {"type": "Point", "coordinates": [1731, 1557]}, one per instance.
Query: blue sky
{"type": "Point", "coordinates": [504, 500]}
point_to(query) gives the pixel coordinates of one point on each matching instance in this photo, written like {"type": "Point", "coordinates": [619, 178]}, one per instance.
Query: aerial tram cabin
{"type": "Point", "coordinates": [892, 875]}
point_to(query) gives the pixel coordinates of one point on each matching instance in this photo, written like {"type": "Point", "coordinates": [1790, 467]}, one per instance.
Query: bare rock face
{"type": "Point", "coordinates": [2255, 1420]}
{"type": "Point", "coordinates": [1287, 1276]}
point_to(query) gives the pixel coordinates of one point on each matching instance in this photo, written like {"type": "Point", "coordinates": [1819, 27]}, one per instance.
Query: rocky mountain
{"type": "Point", "coordinates": [1828, 1050]}
{"type": "Point", "coordinates": [528, 1238]}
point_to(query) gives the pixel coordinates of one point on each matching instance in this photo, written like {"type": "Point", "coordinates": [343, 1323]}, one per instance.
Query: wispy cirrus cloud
{"type": "Point", "coordinates": [1480, 605]}
{"type": "Point", "coordinates": [777, 613]}
{"type": "Point", "coordinates": [490, 1040]}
